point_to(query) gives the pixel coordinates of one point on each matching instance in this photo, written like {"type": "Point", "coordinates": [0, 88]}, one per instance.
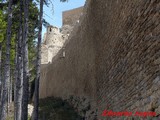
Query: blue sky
{"type": "Point", "coordinates": [54, 17]}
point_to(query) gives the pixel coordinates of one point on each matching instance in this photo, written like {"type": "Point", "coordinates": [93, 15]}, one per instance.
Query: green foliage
{"type": "Point", "coordinates": [32, 32]}
{"type": "Point", "coordinates": [3, 25]}
{"type": "Point", "coordinates": [33, 29]}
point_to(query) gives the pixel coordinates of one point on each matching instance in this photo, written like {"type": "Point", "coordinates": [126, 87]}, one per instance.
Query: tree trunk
{"type": "Point", "coordinates": [25, 97]}
{"type": "Point", "coordinates": [38, 62]}
{"type": "Point", "coordinates": [19, 89]}
{"type": "Point", "coordinates": [8, 96]}
{"type": "Point", "coordinates": [10, 89]}
{"type": "Point", "coordinates": [15, 76]}
{"type": "Point", "coordinates": [0, 72]}
{"type": "Point", "coordinates": [7, 64]}
{"type": "Point", "coordinates": [11, 81]}
{"type": "Point", "coordinates": [19, 81]}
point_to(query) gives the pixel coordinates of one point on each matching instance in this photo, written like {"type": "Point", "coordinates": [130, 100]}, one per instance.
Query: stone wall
{"type": "Point", "coordinates": [112, 57]}
{"type": "Point", "coordinates": [66, 70]}
{"type": "Point", "coordinates": [71, 17]}
{"type": "Point", "coordinates": [127, 38]}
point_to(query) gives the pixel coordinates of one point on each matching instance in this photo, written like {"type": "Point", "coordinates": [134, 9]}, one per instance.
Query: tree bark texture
{"type": "Point", "coordinates": [7, 65]}
{"type": "Point", "coordinates": [38, 62]}
{"type": "Point", "coordinates": [25, 97]}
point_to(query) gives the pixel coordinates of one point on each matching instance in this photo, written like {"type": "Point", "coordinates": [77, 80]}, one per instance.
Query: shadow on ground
{"type": "Point", "coordinates": [57, 109]}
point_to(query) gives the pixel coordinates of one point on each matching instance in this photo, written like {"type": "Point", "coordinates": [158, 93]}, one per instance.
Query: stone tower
{"type": "Point", "coordinates": [54, 37]}
{"type": "Point", "coordinates": [53, 42]}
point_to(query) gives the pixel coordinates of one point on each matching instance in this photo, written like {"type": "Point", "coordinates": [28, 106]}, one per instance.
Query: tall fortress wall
{"type": "Point", "coordinates": [112, 58]}
{"type": "Point", "coordinates": [70, 17]}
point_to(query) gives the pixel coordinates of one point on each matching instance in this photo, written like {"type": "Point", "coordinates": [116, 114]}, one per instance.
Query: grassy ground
{"type": "Point", "coordinates": [57, 109]}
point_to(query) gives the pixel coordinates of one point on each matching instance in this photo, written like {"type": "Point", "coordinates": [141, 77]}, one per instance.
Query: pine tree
{"type": "Point", "coordinates": [7, 65]}
{"type": "Point", "coordinates": [25, 96]}
{"type": "Point", "coordinates": [15, 77]}
{"type": "Point", "coordinates": [19, 66]}
{"type": "Point", "coordinates": [0, 70]}
{"type": "Point", "coordinates": [38, 62]}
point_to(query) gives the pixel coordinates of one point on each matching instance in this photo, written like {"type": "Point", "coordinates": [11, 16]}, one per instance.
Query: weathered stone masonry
{"type": "Point", "coordinates": [71, 17]}
{"type": "Point", "coordinates": [127, 54]}
{"type": "Point", "coordinates": [112, 57]}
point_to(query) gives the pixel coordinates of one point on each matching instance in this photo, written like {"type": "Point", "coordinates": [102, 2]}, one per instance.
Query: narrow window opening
{"type": "Point", "coordinates": [64, 54]}
{"type": "Point", "coordinates": [50, 30]}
